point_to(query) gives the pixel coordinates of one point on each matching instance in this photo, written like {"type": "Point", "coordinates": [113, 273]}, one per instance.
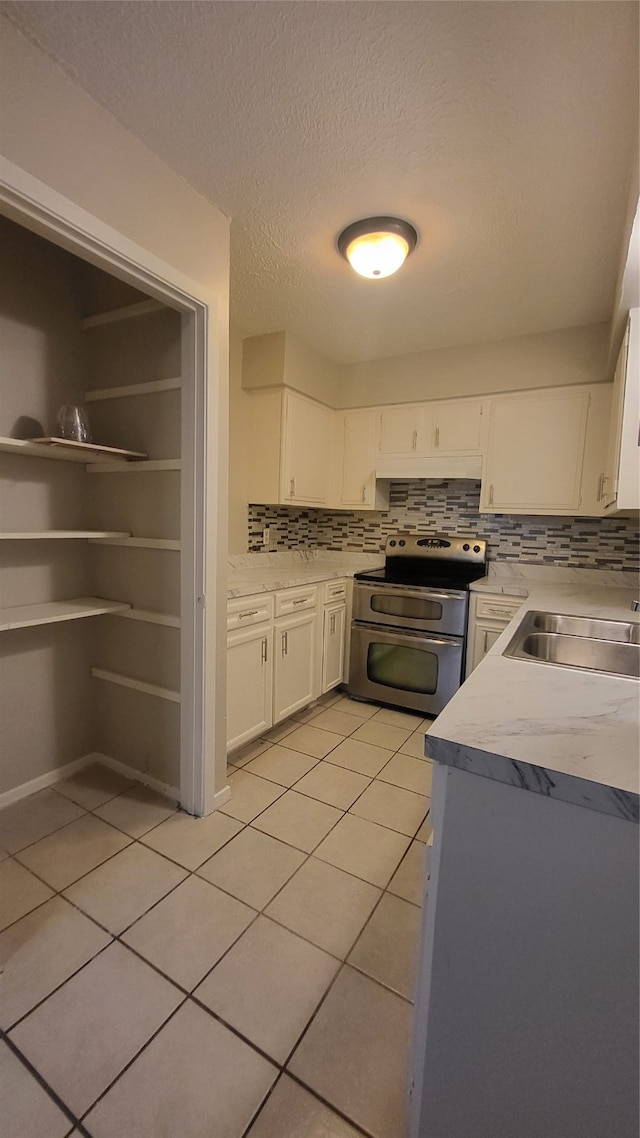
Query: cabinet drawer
{"type": "Point", "coordinates": [245, 611]}
{"type": "Point", "coordinates": [296, 600]}
{"type": "Point", "coordinates": [334, 591]}
{"type": "Point", "coordinates": [499, 607]}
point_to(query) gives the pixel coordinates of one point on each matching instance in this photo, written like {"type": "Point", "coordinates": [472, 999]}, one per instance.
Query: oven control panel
{"type": "Point", "coordinates": [436, 545]}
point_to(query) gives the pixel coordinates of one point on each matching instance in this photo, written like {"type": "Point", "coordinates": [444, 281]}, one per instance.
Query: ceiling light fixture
{"type": "Point", "coordinates": [377, 246]}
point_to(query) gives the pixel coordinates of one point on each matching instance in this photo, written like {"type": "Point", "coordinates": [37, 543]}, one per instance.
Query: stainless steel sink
{"type": "Point", "coordinates": [625, 631]}
{"type": "Point", "coordinates": [608, 646]}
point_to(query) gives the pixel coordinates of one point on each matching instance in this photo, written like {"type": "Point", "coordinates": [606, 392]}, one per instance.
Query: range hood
{"type": "Point", "coordinates": [437, 466]}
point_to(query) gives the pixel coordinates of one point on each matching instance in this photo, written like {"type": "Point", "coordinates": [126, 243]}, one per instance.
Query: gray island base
{"type": "Point", "coordinates": [527, 1007]}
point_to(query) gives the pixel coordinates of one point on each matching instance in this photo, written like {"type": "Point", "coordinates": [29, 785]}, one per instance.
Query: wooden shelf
{"type": "Point", "coordinates": [135, 542]}
{"type": "Point", "coordinates": [136, 685]}
{"type": "Point", "coordinates": [147, 467]}
{"type": "Point", "coordinates": [157, 385]}
{"type": "Point", "coordinates": [62, 534]}
{"type": "Point", "coordinates": [128, 312]}
{"type": "Point", "coordinates": [163, 618]}
{"type": "Point", "coordinates": [65, 451]}
{"type": "Point", "coordinates": [52, 612]}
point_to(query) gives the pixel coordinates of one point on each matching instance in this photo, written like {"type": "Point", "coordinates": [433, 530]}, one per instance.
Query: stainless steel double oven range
{"type": "Point", "coordinates": [410, 620]}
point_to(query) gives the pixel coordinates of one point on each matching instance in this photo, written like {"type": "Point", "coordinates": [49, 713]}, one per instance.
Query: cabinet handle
{"type": "Point", "coordinates": [498, 612]}
{"type": "Point", "coordinates": [414, 440]}
{"type": "Point", "coordinates": [332, 625]}
{"type": "Point", "coordinates": [301, 601]}
{"type": "Point", "coordinates": [491, 494]}
{"type": "Point", "coordinates": [600, 490]}
{"type": "Point", "coordinates": [436, 441]}
{"type": "Point", "coordinates": [264, 650]}
{"type": "Point", "coordinates": [292, 487]}
{"type": "Point", "coordinates": [244, 615]}
{"type": "Point", "coordinates": [364, 491]}
{"type": "Point", "coordinates": [285, 646]}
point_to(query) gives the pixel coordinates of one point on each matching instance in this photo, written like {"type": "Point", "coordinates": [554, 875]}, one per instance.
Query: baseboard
{"type": "Point", "coordinates": [60, 773]}
{"type": "Point", "coordinates": [221, 797]}
{"type": "Point", "coordinates": [138, 776]}
{"type": "Point", "coordinates": [44, 780]}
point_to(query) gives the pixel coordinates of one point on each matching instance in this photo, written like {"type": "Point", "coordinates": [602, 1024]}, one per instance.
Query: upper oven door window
{"type": "Point", "coordinates": [411, 608]}
{"type": "Point", "coordinates": [433, 610]}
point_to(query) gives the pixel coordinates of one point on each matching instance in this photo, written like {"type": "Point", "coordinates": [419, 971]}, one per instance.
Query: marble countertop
{"type": "Point", "coordinates": [517, 579]}
{"type": "Point", "coordinates": [265, 572]}
{"type": "Point", "coordinates": [560, 732]}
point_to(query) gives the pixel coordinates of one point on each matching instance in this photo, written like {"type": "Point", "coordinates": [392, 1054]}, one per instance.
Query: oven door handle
{"type": "Point", "coordinates": [429, 593]}
{"type": "Point", "coordinates": [421, 591]}
{"type": "Point", "coordinates": [398, 633]}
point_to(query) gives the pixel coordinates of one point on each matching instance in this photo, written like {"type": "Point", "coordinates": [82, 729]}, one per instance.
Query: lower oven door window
{"type": "Point", "coordinates": [402, 667]}
{"type": "Point", "coordinates": [405, 669]}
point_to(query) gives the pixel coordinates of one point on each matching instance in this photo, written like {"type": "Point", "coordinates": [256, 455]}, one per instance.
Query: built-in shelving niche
{"type": "Point", "coordinates": [73, 546]}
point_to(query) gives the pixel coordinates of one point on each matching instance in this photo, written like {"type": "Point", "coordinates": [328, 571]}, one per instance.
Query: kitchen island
{"type": "Point", "coordinates": [527, 1013]}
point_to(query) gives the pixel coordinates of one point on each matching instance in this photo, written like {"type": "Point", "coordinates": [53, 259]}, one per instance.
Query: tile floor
{"type": "Point", "coordinates": [247, 974]}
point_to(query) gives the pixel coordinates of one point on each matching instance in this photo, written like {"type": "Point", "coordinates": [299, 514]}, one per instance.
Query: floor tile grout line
{"type": "Point", "coordinates": [287, 1074]}
{"type": "Point", "coordinates": [187, 869]}
{"type": "Point", "coordinates": [190, 995]}
{"type": "Point", "coordinates": [194, 872]}
{"type": "Point", "coordinates": [135, 1057]}
{"type": "Point", "coordinates": [42, 1082]}
{"type": "Point", "coordinates": [86, 810]}
{"type": "Point", "coordinates": [325, 759]}
{"type": "Point", "coordinates": [62, 983]}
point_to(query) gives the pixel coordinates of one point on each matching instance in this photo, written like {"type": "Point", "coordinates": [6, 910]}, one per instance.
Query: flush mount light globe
{"type": "Point", "coordinates": [377, 246]}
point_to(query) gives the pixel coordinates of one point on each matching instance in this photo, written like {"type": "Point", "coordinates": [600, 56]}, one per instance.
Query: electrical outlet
{"type": "Point", "coordinates": [266, 535]}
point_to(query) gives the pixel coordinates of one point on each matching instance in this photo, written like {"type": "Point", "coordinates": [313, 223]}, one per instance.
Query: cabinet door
{"type": "Point", "coordinates": [403, 430]}
{"type": "Point", "coordinates": [609, 484]}
{"type": "Point", "coordinates": [306, 446]}
{"type": "Point", "coordinates": [535, 452]}
{"type": "Point", "coordinates": [484, 637]}
{"type": "Point", "coordinates": [457, 427]}
{"type": "Point", "coordinates": [358, 469]}
{"type": "Point", "coordinates": [249, 684]}
{"type": "Point", "coordinates": [333, 646]}
{"type": "Point", "coordinates": [294, 672]}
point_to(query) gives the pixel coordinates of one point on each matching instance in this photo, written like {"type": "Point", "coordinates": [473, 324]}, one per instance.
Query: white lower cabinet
{"type": "Point", "coordinates": [276, 655]}
{"type": "Point", "coordinates": [293, 666]}
{"type": "Point", "coordinates": [249, 683]}
{"type": "Point", "coordinates": [333, 637]}
{"type": "Point", "coordinates": [489, 615]}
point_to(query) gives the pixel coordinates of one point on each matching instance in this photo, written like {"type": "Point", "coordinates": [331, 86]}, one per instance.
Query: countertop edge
{"type": "Point", "coordinates": [289, 580]}
{"type": "Point", "coordinates": [537, 779]}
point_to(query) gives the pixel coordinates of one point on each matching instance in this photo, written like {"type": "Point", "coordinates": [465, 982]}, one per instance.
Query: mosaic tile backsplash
{"type": "Point", "coordinates": [427, 505]}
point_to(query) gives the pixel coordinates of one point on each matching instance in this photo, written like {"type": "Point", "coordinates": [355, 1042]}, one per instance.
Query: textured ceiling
{"type": "Point", "coordinates": [503, 131]}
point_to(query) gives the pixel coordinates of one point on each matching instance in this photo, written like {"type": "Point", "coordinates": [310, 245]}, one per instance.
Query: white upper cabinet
{"type": "Point", "coordinates": [535, 452]}
{"type": "Point", "coordinates": [404, 430]}
{"type": "Point", "coordinates": [419, 430]}
{"type": "Point", "coordinates": [619, 479]}
{"type": "Point", "coordinates": [359, 489]}
{"type": "Point", "coordinates": [456, 426]}
{"type": "Point", "coordinates": [306, 443]}
{"type": "Point", "coordinates": [289, 448]}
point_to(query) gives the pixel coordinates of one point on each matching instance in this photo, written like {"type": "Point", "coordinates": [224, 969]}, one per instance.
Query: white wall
{"type": "Point", "coordinates": [238, 448]}
{"type": "Point", "coordinates": [278, 358]}
{"type": "Point", "coordinates": [54, 132]}
{"type": "Point", "coordinates": [546, 359]}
